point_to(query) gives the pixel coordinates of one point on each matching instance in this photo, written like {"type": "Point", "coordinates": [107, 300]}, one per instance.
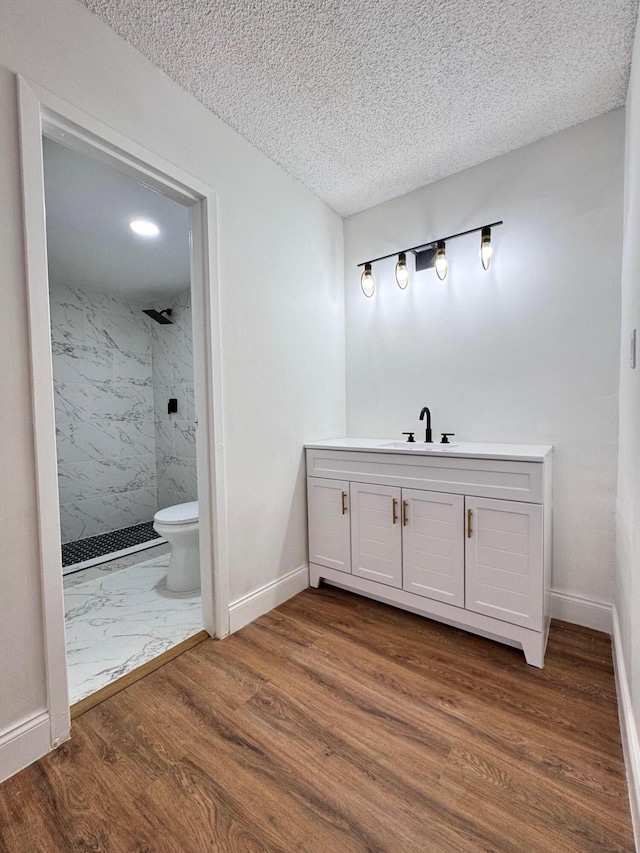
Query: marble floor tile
{"type": "Point", "coordinates": [118, 622]}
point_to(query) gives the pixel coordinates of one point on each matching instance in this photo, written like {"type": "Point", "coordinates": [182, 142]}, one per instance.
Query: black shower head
{"type": "Point", "coordinates": [158, 316]}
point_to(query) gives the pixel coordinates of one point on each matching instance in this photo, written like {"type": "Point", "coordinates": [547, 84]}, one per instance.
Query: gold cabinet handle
{"type": "Point", "coordinates": [405, 506]}
{"type": "Point", "coordinates": [394, 511]}
{"type": "Point", "coordinates": [469, 528]}
{"type": "Point", "coordinates": [344, 506]}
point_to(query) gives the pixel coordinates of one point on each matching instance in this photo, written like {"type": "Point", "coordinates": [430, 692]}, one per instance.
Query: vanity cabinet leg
{"type": "Point", "coordinates": [314, 576]}
{"type": "Point", "coordinates": [534, 648]}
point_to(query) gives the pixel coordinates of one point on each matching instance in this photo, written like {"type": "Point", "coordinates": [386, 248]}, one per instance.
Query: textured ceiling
{"type": "Point", "coordinates": [364, 100]}
{"type": "Point", "coordinates": [89, 243]}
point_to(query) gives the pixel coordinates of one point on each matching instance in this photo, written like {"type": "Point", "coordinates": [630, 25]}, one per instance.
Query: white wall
{"type": "Point", "coordinates": [526, 352]}
{"type": "Point", "coordinates": [628, 514]}
{"type": "Point", "coordinates": [280, 267]}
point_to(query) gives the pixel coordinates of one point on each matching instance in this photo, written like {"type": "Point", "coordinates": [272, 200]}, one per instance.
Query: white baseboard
{"type": "Point", "coordinates": [23, 744]}
{"type": "Point", "coordinates": [248, 608]}
{"type": "Point", "coordinates": [564, 606]}
{"type": "Point", "coordinates": [581, 611]}
{"type": "Point", "coordinates": [628, 729]}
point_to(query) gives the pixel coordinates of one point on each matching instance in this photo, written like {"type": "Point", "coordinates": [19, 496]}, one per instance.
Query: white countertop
{"type": "Point", "coordinates": [480, 450]}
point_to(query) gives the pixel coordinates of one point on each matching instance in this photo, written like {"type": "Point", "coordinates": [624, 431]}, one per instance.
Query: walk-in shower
{"type": "Point", "coordinates": [114, 370]}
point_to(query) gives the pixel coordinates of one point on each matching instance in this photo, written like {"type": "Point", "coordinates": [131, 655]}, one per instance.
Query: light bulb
{"type": "Point", "coordinates": [367, 281]}
{"type": "Point", "coordinates": [486, 248]}
{"type": "Point", "coordinates": [402, 273]}
{"type": "Point", "coordinates": [441, 261]}
{"type": "Point", "coordinates": [144, 227]}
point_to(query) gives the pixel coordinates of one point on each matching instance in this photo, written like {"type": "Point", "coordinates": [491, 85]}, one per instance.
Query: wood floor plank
{"type": "Point", "coordinates": [214, 824]}
{"type": "Point", "coordinates": [336, 723]}
{"type": "Point", "coordinates": [476, 781]}
{"type": "Point", "coordinates": [250, 770]}
{"type": "Point", "coordinates": [554, 792]}
{"type": "Point", "coordinates": [537, 699]}
{"type": "Point", "coordinates": [355, 674]}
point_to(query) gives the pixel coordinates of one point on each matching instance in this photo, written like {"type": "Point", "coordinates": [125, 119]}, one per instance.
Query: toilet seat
{"type": "Point", "coordinates": [178, 514]}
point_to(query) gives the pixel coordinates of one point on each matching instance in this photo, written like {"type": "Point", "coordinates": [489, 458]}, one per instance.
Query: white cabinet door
{"type": "Point", "coordinates": [504, 560]}
{"type": "Point", "coordinates": [433, 545]}
{"type": "Point", "coordinates": [329, 534]}
{"type": "Point", "coordinates": [376, 533]}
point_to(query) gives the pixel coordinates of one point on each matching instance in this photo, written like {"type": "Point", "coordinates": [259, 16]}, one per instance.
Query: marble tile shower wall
{"type": "Point", "coordinates": [103, 388]}
{"type": "Point", "coordinates": [172, 348]}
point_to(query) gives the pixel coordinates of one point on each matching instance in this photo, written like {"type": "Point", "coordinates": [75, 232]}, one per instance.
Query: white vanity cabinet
{"type": "Point", "coordinates": [459, 535]}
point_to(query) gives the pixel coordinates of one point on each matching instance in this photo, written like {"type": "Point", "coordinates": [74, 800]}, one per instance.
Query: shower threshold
{"type": "Point", "coordinates": [83, 553]}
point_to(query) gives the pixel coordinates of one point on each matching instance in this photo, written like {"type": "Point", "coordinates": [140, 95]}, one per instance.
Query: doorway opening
{"type": "Point", "coordinates": [45, 120]}
{"type": "Point", "coordinates": [123, 379]}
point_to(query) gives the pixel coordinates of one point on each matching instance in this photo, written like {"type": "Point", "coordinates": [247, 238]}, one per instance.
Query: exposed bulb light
{"type": "Point", "coordinates": [144, 227]}
{"type": "Point", "coordinates": [367, 281]}
{"type": "Point", "coordinates": [402, 273]}
{"type": "Point", "coordinates": [486, 248]}
{"type": "Point", "coordinates": [441, 264]}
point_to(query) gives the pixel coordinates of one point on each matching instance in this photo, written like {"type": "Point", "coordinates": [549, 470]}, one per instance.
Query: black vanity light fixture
{"type": "Point", "coordinates": [428, 256]}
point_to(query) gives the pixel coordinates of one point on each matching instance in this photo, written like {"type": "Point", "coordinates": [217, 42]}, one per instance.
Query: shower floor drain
{"type": "Point", "coordinates": [107, 543]}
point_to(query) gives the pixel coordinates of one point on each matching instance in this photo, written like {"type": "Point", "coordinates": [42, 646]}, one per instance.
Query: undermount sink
{"type": "Point", "coordinates": [417, 446]}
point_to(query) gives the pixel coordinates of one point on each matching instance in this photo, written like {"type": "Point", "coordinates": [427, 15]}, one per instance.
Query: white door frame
{"type": "Point", "coordinates": [42, 112]}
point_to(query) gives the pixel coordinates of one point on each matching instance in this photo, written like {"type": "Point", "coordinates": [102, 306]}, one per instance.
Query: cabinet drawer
{"type": "Point", "coordinates": [490, 478]}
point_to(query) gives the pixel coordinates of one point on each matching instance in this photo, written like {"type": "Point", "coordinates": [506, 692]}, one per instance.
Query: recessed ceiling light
{"type": "Point", "coordinates": [144, 227]}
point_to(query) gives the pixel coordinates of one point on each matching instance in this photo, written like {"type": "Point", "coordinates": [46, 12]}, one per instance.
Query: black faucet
{"type": "Point", "coordinates": [427, 439]}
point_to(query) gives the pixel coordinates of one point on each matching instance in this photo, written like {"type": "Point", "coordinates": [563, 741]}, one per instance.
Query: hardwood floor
{"type": "Point", "coordinates": [338, 724]}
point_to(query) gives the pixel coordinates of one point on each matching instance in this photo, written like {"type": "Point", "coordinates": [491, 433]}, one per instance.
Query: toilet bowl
{"type": "Point", "coordinates": [179, 526]}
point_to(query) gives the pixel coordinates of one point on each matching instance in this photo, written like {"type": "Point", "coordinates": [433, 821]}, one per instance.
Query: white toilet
{"type": "Point", "coordinates": [179, 526]}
